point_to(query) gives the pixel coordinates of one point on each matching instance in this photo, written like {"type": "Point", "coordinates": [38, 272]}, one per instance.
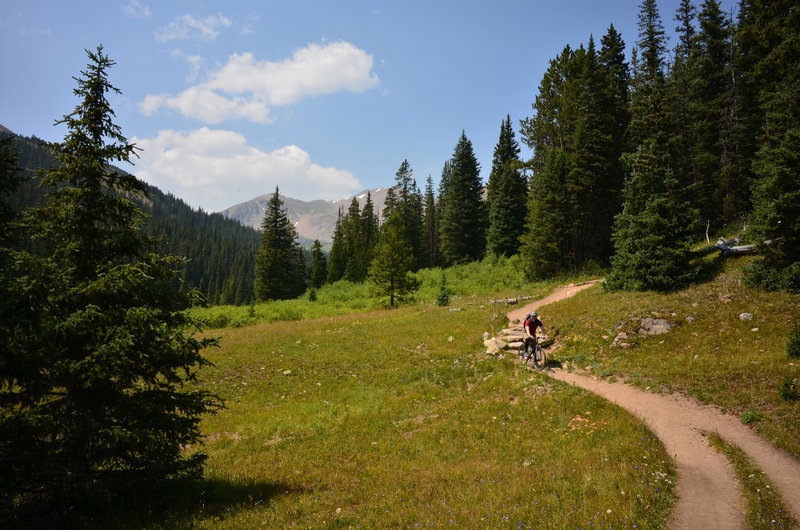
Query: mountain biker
{"type": "Point", "coordinates": [531, 324]}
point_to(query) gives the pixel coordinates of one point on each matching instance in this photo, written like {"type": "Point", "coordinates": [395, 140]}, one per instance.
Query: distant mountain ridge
{"type": "Point", "coordinates": [220, 251]}
{"type": "Point", "coordinates": [312, 219]}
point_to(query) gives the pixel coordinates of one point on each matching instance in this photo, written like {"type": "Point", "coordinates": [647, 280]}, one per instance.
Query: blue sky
{"type": "Point", "coordinates": [230, 98]}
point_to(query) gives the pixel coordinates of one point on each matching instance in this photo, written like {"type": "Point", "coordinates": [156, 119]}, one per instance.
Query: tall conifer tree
{"type": "Point", "coordinates": [652, 234]}
{"type": "Point", "coordinates": [93, 389]}
{"type": "Point", "coordinates": [390, 271]}
{"type": "Point", "coordinates": [319, 265]}
{"type": "Point", "coordinates": [338, 255]}
{"type": "Point", "coordinates": [464, 220]}
{"type": "Point", "coordinates": [506, 196]}
{"type": "Point", "coordinates": [280, 270]}
{"type": "Point", "coordinates": [775, 222]}
{"type": "Point", "coordinates": [430, 228]}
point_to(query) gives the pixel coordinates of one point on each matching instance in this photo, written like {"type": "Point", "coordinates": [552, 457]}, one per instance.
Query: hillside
{"type": "Point", "coordinates": [220, 251]}
{"type": "Point", "coordinates": [312, 219]}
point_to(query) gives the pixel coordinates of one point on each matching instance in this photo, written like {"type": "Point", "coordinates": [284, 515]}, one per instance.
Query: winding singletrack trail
{"type": "Point", "coordinates": [709, 495]}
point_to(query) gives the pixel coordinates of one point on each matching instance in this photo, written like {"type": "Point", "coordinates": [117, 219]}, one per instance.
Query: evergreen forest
{"type": "Point", "coordinates": [220, 252]}
{"type": "Point", "coordinates": [634, 161]}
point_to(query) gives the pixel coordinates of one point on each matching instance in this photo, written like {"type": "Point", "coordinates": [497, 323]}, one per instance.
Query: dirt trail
{"type": "Point", "coordinates": [709, 496]}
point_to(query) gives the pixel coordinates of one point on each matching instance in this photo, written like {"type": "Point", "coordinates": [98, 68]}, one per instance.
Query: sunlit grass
{"type": "Point", "coordinates": [710, 353]}
{"type": "Point", "coordinates": [765, 508]}
{"type": "Point", "coordinates": [397, 419]}
{"type": "Point", "coordinates": [467, 284]}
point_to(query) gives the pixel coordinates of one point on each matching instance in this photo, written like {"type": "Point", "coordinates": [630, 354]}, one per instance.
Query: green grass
{"type": "Point", "coordinates": [397, 419]}
{"type": "Point", "coordinates": [765, 507]}
{"type": "Point", "coordinates": [740, 365]}
{"type": "Point", "coordinates": [468, 284]}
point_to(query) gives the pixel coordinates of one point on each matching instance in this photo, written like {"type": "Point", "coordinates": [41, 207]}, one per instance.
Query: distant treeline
{"type": "Point", "coordinates": [220, 251]}
{"type": "Point", "coordinates": [632, 160]}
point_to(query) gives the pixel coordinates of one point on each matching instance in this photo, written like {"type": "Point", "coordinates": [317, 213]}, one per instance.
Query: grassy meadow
{"type": "Point", "coordinates": [347, 415]}
{"type": "Point", "coordinates": [397, 419]}
{"type": "Point", "coordinates": [498, 277]}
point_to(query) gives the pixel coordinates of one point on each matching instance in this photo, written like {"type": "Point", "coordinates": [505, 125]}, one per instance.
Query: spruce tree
{"type": "Point", "coordinates": [612, 58]}
{"type": "Point", "coordinates": [338, 255]}
{"type": "Point", "coordinates": [280, 270]}
{"type": "Point", "coordinates": [368, 236]}
{"type": "Point", "coordinates": [355, 266]}
{"type": "Point", "coordinates": [543, 249]}
{"type": "Point", "coordinates": [464, 220]}
{"type": "Point", "coordinates": [390, 271]}
{"type": "Point", "coordinates": [408, 201]}
{"type": "Point", "coordinates": [775, 221]}
{"type": "Point", "coordinates": [653, 233]}
{"type": "Point", "coordinates": [507, 193]}
{"type": "Point", "coordinates": [577, 133]}
{"type": "Point", "coordinates": [595, 176]}
{"type": "Point", "coordinates": [319, 265]}
{"type": "Point", "coordinates": [96, 392]}
{"type": "Point", "coordinates": [430, 228]}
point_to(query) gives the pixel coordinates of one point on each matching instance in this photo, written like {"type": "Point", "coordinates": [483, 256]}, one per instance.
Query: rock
{"type": "Point", "coordinates": [455, 309]}
{"type": "Point", "coordinates": [754, 330]}
{"type": "Point", "coordinates": [287, 372]}
{"type": "Point", "coordinates": [655, 326]}
{"type": "Point", "coordinates": [485, 336]}
{"type": "Point", "coordinates": [746, 316]}
{"type": "Point", "coordinates": [689, 319]}
{"type": "Point", "coordinates": [493, 346]}
{"type": "Point", "coordinates": [725, 298]}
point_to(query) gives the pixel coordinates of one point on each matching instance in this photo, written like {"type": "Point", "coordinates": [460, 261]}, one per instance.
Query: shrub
{"type": "Point", "coordinates": [751, 415]}
{"type": "Point", "coordinates": [789, 389]}
{"type": "Point", "coordinates": [793, 343]}
{"type": "Point", "coordinates": [443, 298]}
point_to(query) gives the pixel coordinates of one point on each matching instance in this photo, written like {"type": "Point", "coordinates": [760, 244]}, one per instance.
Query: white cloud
{"type": "Point", "coordinates": [195, 62]}
{"type": "Point", "coordinates": [247, 88]}
{"type": "Point", "coordinates": [215, 169]}
{"type": "Point", "coordinates": [188, 27]}
{"type": "Point", "coordinates": [133, 9]}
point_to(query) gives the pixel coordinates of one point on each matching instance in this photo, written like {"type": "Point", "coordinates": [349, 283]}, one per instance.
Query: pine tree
{"type": "Point", "coordinates": [577, 133]}
{"type": "Point", "coordinates": [94, 391]}
{"type": "Point", "coordinates": [769, 46]}
{"type": "Point", "coordinates": [464, 220]}
{"type": "Point", "coordinates": [408, 201]}
{"type": "Point", "coordinates": [775, 222]}
{"type": "Point", "coordinates": [507, 193]}
{"type": "Point", "coordinates": [652, 234]}
{"type": "Point", "coordinates": [338, 255]}
{"type": "Point", "coordinates": [368, 236]}
{"type": "Point", "coordinates": [319, 265]}
{"type": "Point", "coordinates": [612, 58]}
{"type": "Point", "coordinates": [390, 271]}
{"type": "Point", "coordinates": [355, 267]}
{"type": "Point", "coordinates": [595, 176]}
{"type": "Point", "coordinates": [430, 228]}
{"type": "Point", "coordinates": [543, 248]}
{"type": "Point", "coordinates": [279, 265]}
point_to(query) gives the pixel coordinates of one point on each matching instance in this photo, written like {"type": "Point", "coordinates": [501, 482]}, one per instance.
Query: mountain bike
{"type": "Point", "coordinates": [527, 351]}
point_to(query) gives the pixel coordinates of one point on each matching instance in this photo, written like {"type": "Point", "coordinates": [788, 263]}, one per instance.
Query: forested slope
{"type": "Point", "coordinates": [221, 252]}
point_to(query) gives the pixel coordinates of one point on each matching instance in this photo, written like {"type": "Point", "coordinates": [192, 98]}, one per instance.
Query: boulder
{"type": "Point", "coordinates": [494, 345]}
{"type": "Point", "coordinates": [655, 326]}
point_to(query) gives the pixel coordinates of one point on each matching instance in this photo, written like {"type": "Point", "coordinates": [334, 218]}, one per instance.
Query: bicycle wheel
{"type": "Point", "coordinates": [539, 358]}
{"type": "Point", "coordinates": [521, 353]}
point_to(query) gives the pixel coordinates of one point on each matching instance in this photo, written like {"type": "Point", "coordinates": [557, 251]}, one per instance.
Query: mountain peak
{"type": "Point", "coordinates": [312, 219]}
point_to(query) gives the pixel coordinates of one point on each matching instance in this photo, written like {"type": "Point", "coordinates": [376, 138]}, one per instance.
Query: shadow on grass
{"type": "Point", "coordinates": [172, 504]}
